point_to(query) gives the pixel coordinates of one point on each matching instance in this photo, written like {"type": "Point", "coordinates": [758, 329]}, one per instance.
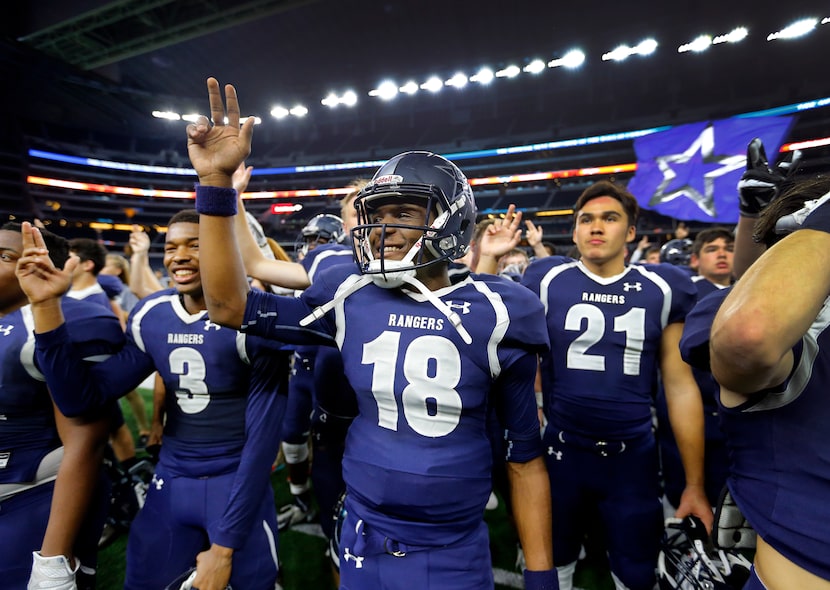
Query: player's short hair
{"type": "Point", "coordinates": [790, 201]}
{"type": "Point", "coordinates": [184, 216]}
{"type": "Point", "coordinates": [481, 227]}
{"type": "Point", "coordinates": [58, 246]}
{"type": "Point", "coordinates": [710, 235]}
{"type": "Point", "coordinates": [347, 202]}
{"type": "Point", "coordinates": [606, 188]}
{"type": "Point", "coordinates": [89, 249]}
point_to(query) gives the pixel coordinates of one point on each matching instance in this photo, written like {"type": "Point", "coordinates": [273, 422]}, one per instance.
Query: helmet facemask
{"type": "Point", "coordinates": [432, 247]}
{"type": "Point", "coordinates": [320, 229]}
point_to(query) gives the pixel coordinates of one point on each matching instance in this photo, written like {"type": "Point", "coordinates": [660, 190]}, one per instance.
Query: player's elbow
{"type": "Point", "coordinates": [742, 352]}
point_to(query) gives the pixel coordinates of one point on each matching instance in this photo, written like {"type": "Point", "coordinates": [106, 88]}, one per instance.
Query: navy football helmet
{"type": "Point", "coordinates": [428, 180]}
{"type": "Point", "coordinates": [688, 560]}
{"type": "Point", "coordinates": [677, 252]}
{"type": "Point", "coordinates": [321, 229]}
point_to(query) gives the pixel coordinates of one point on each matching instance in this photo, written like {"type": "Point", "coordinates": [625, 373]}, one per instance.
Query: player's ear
{"type": "Point", "coordinates": [632, 233]}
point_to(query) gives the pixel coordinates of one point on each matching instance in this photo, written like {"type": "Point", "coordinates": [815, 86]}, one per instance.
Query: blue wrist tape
{"type": "Point", "coordinates": [543, 580]}
{"type": "Point", "coordinates": [215, 200]}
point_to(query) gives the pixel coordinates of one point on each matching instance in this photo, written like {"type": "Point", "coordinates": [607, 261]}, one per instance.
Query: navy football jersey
{"type": "Point", "coordinates": [222, 403]}
{"type": "Point", "coordinates": [778, 449]}
{"type": "Point", "coordinates": [605, 336]}
{"type": "Point", "coordinates": [206, 370]}
{"type": "Point", "coordinates": [332, 391]}
{"type": "Point", "coordinates": [324, 256]}
{"type": "Point", "coordinates": [27, 423]}
{"type": "Point", "coordinates": [95, 294]}
{"type": "Point", "coordinates": [418, 459]}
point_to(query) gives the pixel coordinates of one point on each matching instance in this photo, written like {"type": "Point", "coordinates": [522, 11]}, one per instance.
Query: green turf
{"type": "Point", "coordinates": [305, 566]}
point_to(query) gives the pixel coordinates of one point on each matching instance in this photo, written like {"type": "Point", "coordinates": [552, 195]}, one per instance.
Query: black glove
{"type": "Point", "coordinates": [760, 184]}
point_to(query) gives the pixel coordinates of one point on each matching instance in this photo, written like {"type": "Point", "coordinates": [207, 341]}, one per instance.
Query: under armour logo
{"type": "Point", "coordinates": [464, 306]}
{"type": "Point", "coordinates": [209, 325]}
{"type": "Point", "coordinates": [157, 481]}
{"type": "Point", "coordinates": [632, 286]}
{"type": "Point", "coordinates": [358, 561]}
{"type": "Point", "coordinates": [6, 329]}
{"type": "Point", "coordinates": [557, 454]}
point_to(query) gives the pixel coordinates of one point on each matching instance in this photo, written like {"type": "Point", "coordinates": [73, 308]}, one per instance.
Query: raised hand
{"type": "Point", "coordinates": [217, 150]}
{"type": "Point", "coordinates": [38, 276]}
{"type": "Point", "coordinates": [241, 177]}
{"type": "Point", "coordinates": [139, 241]}
{"type": "Point", "coordinates": [760, 184]}
{"type": "Point", "coordinates": [502, 235]}
{"type": "Point", "coordinates": [533, 234]}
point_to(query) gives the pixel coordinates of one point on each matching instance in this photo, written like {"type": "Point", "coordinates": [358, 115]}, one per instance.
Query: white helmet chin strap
{"type": "Point", "coordinates": [393, 274]}
{"type": "Point", "coordinates": [401, 277]}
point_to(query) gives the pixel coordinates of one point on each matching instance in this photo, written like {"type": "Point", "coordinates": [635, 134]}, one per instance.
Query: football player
{"type": "Point", "coordinates": [47, 458]}
{"type": "Point", "coordinates": [321, 239]}
{"type": "Point", "coordinates": [211, 485]}
{"type": "Point", "coordinates": [770, 355]}
{"type": "Point", "coordinates": [425, 358]}
{"type": "Point", "coordinates": [318, 378]}
{"type": "Point", "coordinates": [712, 256]}
{"type": "Point", "coordinates": [611, 327]}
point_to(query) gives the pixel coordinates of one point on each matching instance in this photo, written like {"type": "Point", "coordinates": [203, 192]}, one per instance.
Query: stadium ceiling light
{"type": "Point", "coordinates": [410, 87]}
{"type": "Point", "coordinates": [458, 80]}
{"type": "Point", "coordinates": [534, 67]}
{"type": "Point", "coordinates": [825, 20]}
{"type": "Point", "coordinates": [279, 112]}
{"type": "Point", "coordinates": [618, 54]}
{"type": "Point", "coordinates": [509, 72]}
{"type": "Point", "coordinates": [645, 47]}
{"type": "Point", "coordinates": [299, 111]}
{"type": "Point", "coordinates": [169, 115]}
{"type": "Point", "coordinates": [733, 36]}
{"type": "Point", "coordinates": [434, 84]}
{"type": "Point", "coordinates": [573, 59]}
{"type": "Point", "coordinates": [349, 98]}
{"type": "Point", "coordinates": [699, 44]}
{"type": "Point", "coordinates": [386, 91]}
{"type": "Point", "coordinates": [191, 117]}
{"type": "Point", "coordinates": [257, 120]}
{"type": "Point", "coordinates": [483, 76]}
{"type": "Point", "coordinates": [797, 29]}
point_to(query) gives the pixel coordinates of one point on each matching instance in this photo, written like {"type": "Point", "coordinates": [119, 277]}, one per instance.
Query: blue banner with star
{"type": "Point", "coordinates": [691, 172]}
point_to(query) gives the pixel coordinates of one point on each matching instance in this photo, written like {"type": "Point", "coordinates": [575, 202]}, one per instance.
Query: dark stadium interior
{"type": "Point", "coordinates": [82, 77]}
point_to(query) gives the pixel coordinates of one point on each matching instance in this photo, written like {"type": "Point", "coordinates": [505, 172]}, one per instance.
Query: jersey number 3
{"type": "Point", "coordinates": [192, 394]}
{"type": "Point", "coordinates": [432, 369]}
{"type": "Point", "coordinates": [631, 322]}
